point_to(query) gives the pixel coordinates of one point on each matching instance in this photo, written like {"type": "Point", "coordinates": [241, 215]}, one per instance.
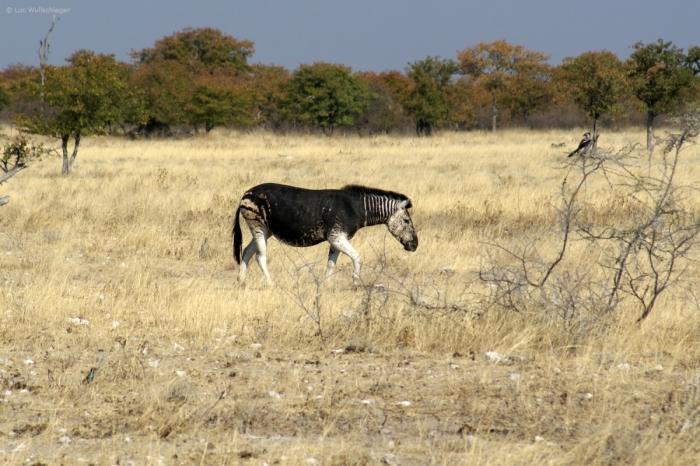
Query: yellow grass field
{"type": "Point", "coordinates": [125, 338]}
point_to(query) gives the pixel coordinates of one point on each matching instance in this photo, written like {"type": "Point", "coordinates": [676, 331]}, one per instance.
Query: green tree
{"type": "Point", "coordinates": [218, 101]}
{"type": "Point", "coordinates": [428, 98]}
{"type": "Point", "coordinates": [529, 90]}
{"type": "Point", "coordinates": [83, 98]}
{"type": "Point", "coordinates": [166, 90]}
{"type": "Point", "coordinates": [388, 93]}
{"type": "Point", "coordinates": [660, 77]}
{"type": "Point", "coordinates": [194, 77]}
{"type": "Point", "coordinates": [198, 50]}
{"type": "Point", "coordinates": [266, 86]}
{"type": "Point", "coordinates": [4, 98]}
{"type": "Point", "coordinates": [495, 64]}
{"type": "Point", "coordinates": [325, 95]}
{"type": "Point", "coordinates": [596, 81]}
{"type": "Point", "coordinates": [693, 59]}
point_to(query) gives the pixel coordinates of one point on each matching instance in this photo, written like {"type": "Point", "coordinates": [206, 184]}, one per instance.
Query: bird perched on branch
{"type": "Point", "coordinates": [583, 146]}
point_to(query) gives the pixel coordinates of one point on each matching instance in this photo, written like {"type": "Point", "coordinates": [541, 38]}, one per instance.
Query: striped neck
{"type": "Point", "coordinates": [378, 208]}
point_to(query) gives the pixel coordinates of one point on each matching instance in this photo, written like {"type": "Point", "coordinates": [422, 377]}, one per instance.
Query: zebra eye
{"type": "Point", "coordinates": [406, 221]}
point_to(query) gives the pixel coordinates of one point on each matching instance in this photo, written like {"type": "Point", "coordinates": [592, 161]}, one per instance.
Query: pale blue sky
{"type": "Point", "coordinates": [365, 34]}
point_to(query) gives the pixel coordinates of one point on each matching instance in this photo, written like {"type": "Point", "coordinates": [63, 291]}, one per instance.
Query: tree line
{"type": "Point", "coordinates": [197, 79]}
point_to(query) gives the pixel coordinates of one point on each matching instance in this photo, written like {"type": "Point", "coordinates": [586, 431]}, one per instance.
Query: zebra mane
{"type": "Point", "coordinates": [359, 189]}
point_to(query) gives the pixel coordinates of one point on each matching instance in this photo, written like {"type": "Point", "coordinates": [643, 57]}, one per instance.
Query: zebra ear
{"type": "Point", "coordinates": [404, 204]}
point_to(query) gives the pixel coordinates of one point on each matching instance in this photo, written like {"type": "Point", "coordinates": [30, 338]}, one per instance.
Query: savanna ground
{"type": "Point", "coordinates": [125, 338]}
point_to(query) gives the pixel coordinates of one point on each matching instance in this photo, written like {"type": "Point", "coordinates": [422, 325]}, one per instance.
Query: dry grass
{"type": "Point", "coordinates": [193, 368]}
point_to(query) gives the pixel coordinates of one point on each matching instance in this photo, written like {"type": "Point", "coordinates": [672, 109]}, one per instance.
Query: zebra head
{"type": "Point", "coordinates": [401, 226]}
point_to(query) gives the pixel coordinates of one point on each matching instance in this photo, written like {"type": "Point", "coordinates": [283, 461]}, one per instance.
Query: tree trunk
{"type": "Point", "coordinates": [494, 114]}
{"type": "Point", "coordinates": [594, 136]}
{"type": "Point", "coordinates": [595, 127]}
{"type": "Point", "coordinates": [68, 161]}
{"type": "Point", "coordinates": [65, 170]}
{"type": "Point", "coordinates": [650, 131]}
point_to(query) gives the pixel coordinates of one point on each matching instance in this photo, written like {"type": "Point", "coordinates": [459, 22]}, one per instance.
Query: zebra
{"type": "Point", "coordinates": [305, 217]}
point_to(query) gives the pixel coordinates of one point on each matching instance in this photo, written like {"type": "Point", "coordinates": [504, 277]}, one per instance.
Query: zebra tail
{"type": "Point", "coordinates": [237, 236]}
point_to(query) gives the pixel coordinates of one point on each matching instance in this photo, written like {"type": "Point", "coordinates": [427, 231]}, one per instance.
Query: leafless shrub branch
{"type": "Point", "coordinates": [640, 254]}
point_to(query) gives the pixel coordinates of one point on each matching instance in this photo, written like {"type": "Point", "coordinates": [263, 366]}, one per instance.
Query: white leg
{"type": "Point", "coordinates": [260, 239]}
{"type": "Point", "coordinates": [247, 255]}
{"type": "Point", "coordinates": [333, 254]}
{"type": "Point", "coordinates": [340, 243]}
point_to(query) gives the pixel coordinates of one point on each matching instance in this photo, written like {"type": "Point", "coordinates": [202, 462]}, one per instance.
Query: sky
{"type": "Point", "coordinates": [364, 34]}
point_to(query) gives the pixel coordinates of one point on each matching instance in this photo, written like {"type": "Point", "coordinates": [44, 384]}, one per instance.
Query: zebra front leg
{"type": "Point", "coordinates": [340, 243]}
{"type": "Point", "coordinates": [260, 238]}
{"type": "Point", "coordinates": [333, 254]}
{"type": "Point", "coordinates": [247, 255]}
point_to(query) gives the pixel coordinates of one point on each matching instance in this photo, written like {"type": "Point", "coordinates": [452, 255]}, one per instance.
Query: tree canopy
{"type": "Point", "coordinates": [325, 95]}
{"type": "Point", "coordinates": [427, 100]}
{"type": "Point", "coordinates": [660, 76]}
{"type": "Point", "coordinates": [80, 99]}
{"type": "Point", "coordinates": [595, 81]}
{"type": "Point", "coordinates": [200, 50]}
{"type": "Point", "coordinates": [502, 67]}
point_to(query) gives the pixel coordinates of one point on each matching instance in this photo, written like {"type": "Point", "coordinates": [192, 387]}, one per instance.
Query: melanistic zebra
{"type": "Point", "coordinates": [305, 217]}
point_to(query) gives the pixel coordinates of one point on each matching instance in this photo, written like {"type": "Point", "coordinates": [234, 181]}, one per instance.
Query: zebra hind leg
{"type": "Point", "coordinates": [247, 255]}
{"type": "Point", "coordinates": [260, 237]}
{"type": "Point", "coordinates": [333, 254]}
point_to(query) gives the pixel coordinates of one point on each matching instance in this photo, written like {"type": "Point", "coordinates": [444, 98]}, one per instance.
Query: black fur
{"type": "Point", "coordinates": [305, 217]}
{"type": "Point", "coordinates": [237, 236]}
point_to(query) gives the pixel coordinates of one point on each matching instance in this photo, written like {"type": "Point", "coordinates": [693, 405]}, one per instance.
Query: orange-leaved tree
{"type": "Point", "coordinates": [496, 65]}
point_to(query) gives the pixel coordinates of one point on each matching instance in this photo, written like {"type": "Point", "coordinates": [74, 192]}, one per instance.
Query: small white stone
{"type": "Point", "coordinates": [366, 402]}
{"type": "Point", "coordinates": [404, 403]}
{"type": "Point", "coordinates": [538, 438]}
{"type": "Point", "coordinates": [454, 366]}
{"type": "Point", "coordinates": [178, 348]}
{"type": "Point", "coordinates": [312, 461]}
{"type": "Point", "coordinates": [256, 345]}
{"type": "Point", "coordinates": [180, 373]}
{"type": "Point", "coordinates": [493, 356]}
{"type": "Point", "coordinates": [588, 395]}
{"type": "Point", "coordinates": [153, 363]}
{"type": "Point", "coordinates": [65, 440]}
{"type": "Point", "coordinates": [624, 366]}
{"type": "Point", "coordinates": [115, 323]}
{"type": "Point", "coordinates": [515, 377]}
{"type": "Point", "coordinates": [274, 394]}
{"type": "Point", "coordinates": [338, 351]}
{"type": "Point", "coordinates": [7, 393]}
{"type": "Point", "coordinates": [78, 321]}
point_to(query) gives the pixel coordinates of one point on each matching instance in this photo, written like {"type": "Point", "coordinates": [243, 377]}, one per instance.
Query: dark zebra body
{"type": "Point", "coordinates": [305, 217]}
